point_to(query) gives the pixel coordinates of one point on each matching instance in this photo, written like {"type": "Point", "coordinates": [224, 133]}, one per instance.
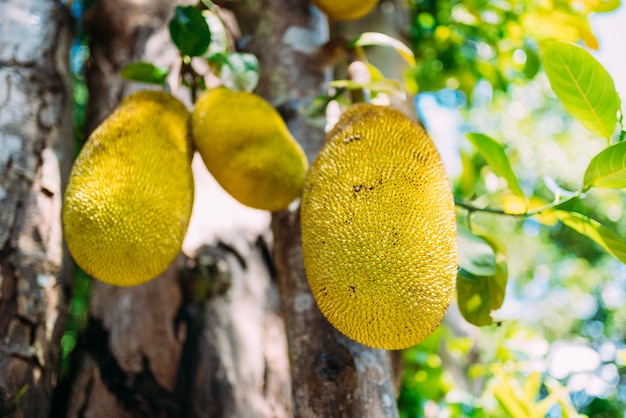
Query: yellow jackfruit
{"type": "Point", "coordinates": [130, 192]}
{"type": "Point", "coordinates": [378, 229]}
{"type": "Point", "coordinates": [345, 10]}
{"type": "Point", "coordinates": [247, 147]}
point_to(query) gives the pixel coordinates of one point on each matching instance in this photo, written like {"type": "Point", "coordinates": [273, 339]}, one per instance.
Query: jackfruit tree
{"type": "Point", "coordinates": [266, 274]}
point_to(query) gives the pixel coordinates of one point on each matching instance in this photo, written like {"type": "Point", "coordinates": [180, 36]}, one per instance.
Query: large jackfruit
{"type": "Point", "coordinates": [247, 147]}
{"type": "Point", "coordinates": [345, 10]}
{"type": "Point", "coordinates": [378, 229]}
{"type": "Point", "coordinates": [130, 192]}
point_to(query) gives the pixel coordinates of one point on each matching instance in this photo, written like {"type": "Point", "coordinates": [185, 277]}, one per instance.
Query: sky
{"type": "Point", "coordinates": [610, 29]}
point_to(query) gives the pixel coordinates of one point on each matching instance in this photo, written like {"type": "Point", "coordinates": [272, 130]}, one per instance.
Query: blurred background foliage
{"type": "Point", "coordinates": [459, 42]}
{"type": "Point", "coordinates": [557, 346]}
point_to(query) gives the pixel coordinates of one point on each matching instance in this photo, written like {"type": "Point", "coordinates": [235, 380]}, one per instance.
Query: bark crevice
{"type": "Point", "coordinates": [137, 392]}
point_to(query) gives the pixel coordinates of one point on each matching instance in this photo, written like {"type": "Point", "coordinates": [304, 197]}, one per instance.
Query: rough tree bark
{"type": "Point", "coordinates": [35, 152]}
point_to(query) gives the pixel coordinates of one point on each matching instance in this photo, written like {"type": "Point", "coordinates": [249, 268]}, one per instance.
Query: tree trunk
{"type": "Point", "coordinates": [35, 152]}
{"type": "Point", "coordinates": [332, 376]}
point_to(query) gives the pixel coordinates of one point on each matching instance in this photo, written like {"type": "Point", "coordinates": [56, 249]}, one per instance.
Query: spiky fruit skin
{"type": "Point", "coordinates": [345, 10]}
{"type": "Point", "coordinates": [130, 191]}
{"type": "Point", "coordinates": [247, 147]}
{"type": "Point", "coordinates": [378, 229]}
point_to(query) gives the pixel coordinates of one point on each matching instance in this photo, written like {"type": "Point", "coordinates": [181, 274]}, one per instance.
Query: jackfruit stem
{"type": "Point", "coordinates": [526, 214]}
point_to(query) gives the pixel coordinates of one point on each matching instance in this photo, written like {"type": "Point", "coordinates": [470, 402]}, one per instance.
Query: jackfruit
{"type": "Point", "coordinates": [378, 229]}
{"type": "Point", "coordinates": [130, 191]}
{"type": "Point", "coordinates": [345, 10]}
{"type": "Point", "coordinates": [248, 149]}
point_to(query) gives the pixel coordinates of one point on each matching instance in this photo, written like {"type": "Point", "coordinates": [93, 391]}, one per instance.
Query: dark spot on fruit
{"type": "Point", "coordinates": [351, 138]}
{"type": "Point", "coordinates": [419, 157]}
{"type": "Point", "coordinates": [359, 187]}
{"type": "Point", "coordinates": [324, 291]}
{"type": "Point", "coordinates": [352, 290]}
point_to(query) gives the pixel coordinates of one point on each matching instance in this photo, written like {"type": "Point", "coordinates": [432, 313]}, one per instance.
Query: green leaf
{"type": "Point", "coordinates": [592, 229]}
{"type": "Point", "coordinates": [238, 71]}
{"type": "Point", "coordinates": [20, 392]}
{"type": "Point", "coordinates": [375, 74]}
{"type": "Point", "coordinates": [605, 6]}
{"type": "Point", "coordinates": [532, 385]}
{"type": "Point", "coordinates": [476, 256]}
{"type": "Point", "coordinates": [477, 296]}
{"type": "Point", "coordinates": [208, 4]}
{"type": "Point", "coordinates": [608, 168]}
{"type": "Point", "coordinates": [380, 39]}
{"type": "Point", "coordinates": [533, 63]}
{"type": "Point", "coordinates": [493, 152]}
{"type": "Point", "coordinates": [506, 393]}
{"type": "Point", "coordinates": [558, 392]}
{"type": "Point", "coordinates": [145, 72]}
{"type": "Point", "coordinates": [409, 77]}
{"type": "Point", "coordinates": [583, 85]}
{"type": "Point", "coordinates": [219, 35]}
{"type": "Point", "coordinates": [318, 106]}
{"type": "Point", "coordinates": [190, 31]}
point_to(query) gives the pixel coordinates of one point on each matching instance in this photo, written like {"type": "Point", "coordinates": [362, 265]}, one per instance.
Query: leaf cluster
{"type": "Point", "coordinates": [203, 42]}
{"type": "Point", "coordinates": [588, 92]}
{"type": "Point", "coordinates": [459, 42]}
